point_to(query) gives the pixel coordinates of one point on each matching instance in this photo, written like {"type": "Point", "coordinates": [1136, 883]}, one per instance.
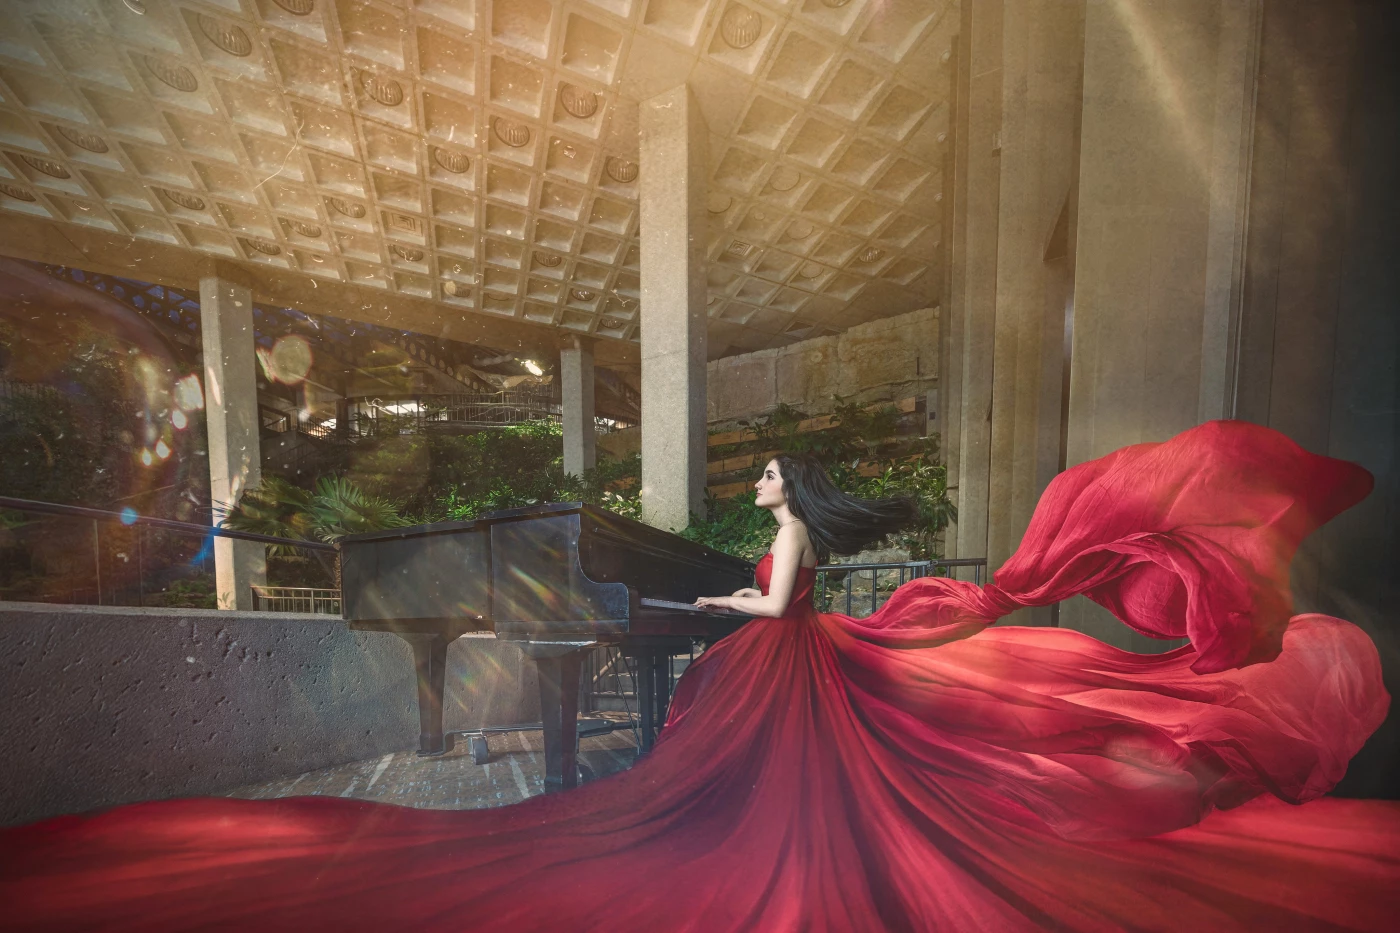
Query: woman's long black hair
{"type": "Point", "coordinates": [838, 523]}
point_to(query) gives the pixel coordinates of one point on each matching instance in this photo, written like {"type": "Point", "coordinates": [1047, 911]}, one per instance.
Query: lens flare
{"type": "Point", "coordinates": [179, 420]}
{"type": "Point", "coordinates": [289, 361]}
{"type": "Point", "coordinates": [129, 516]}
{"type": "Point", "coordinates": [146, 458]}
{"type": "Point", "coordinates": [162, 450]}
{"type": "Point", "coordinates": [188, 394]}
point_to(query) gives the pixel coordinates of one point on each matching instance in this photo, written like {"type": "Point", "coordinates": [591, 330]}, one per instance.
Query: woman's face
{"type": "Point", "coordinates": [770, 488]}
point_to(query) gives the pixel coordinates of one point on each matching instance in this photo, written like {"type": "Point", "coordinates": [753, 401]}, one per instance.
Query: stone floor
{"type": "Point", "coordinates": [452, 782]}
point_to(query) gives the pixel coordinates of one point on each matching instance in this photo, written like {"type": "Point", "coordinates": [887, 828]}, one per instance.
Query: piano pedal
{"type": "Point", "coordinates": [481, 752]}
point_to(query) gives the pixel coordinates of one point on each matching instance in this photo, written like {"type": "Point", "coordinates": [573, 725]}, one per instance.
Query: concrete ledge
{"type": "Point", "coordinates": [108, 705]}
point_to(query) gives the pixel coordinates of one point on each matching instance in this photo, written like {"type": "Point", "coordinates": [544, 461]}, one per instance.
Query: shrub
{"type": "Point", "coordinates": [521, 465]}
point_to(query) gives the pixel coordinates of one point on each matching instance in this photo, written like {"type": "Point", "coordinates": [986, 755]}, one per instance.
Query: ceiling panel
{"type": "Point", "coordinates": [484, 153]}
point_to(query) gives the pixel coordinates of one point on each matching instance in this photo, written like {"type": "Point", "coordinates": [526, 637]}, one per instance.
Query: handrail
{"type": "Point", "coordinates": [908, 570]}
{"type": "Point", "coordinates": [895, 565]}
{"type": "Point", "coordinates": [317, 600]}
{"type": "Point", "coordinates": [134, 518]}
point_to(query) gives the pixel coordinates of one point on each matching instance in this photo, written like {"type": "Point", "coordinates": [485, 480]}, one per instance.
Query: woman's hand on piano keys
{"type": "Point", "coordinates": [714, 602]}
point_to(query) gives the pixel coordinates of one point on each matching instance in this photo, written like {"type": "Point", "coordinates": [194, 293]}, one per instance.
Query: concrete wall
{"type": "Point", "coordinates": [1095, 218]}
{"type": "Point", "coordinates": [105, 705]}
{"type": "Point", "coordinates": [882, 360]}
{"type": "Point", "coordinates": [1231, 250]}
{"type": "Point", "coordinates": [1147, 149]}
{"type": "Point", "coordinates": [888, 359]}
{"type": "Point", "coordinates": [1320, 324]}
{"type": "Point", "coordinates": [1041, 72]}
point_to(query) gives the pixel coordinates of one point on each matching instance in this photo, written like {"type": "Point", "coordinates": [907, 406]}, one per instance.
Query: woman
{"type": "Point", "coordinates": [816, 521]}
{"type": "Point", "coordinates": [915, 770]}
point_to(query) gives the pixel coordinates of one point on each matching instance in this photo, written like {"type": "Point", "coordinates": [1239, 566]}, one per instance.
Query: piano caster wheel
{"type": "Point", "coordinates": [481, 752]}
{"type": "Point", "coordinates": [447, 746]}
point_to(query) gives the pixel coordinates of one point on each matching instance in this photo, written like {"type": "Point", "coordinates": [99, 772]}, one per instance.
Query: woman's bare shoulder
{"type": "Point", "coordinates": [795, 530]}
{"type": "Point", "coordinates": [794, 535]}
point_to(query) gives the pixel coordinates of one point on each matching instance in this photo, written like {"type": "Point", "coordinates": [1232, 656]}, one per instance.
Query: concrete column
{"type": "Point", "coordinates": [1160, 179]}
{"type": "Point", "coordinates": [1151, 80]}
{"type": "Point", "coordinates": [1042, 53]}
{"type": "Point", "coordinates": [576, 385]}
{"type": "Point", "coordinates": [1237, 57]}
{"type": "Point", "coordinates": [231, 413]}
{"type": "Point", "coordinates": [673, 319]}
{"type": "Point", "coordinates": [973, 311]}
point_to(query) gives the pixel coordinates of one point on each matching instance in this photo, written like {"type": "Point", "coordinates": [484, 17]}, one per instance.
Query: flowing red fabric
{"type": "Point", "coordinates": [915, 770]}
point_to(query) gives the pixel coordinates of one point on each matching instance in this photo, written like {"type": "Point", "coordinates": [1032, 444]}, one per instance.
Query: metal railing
{"type": "Point", "coordinates": [419, 414]}
{"type": "Point", "coordinates": [609, 679]}
{"type": "Point", "coordinates": [884, 579]}
{"type": "Point", "coordinates": [10, 389]}
{"type": "Point", "coordinates": [287, 422]}
{"type": "Point", "coordinates": [382, 415]}
{"type": "Point", "coordinates": [304, 599]}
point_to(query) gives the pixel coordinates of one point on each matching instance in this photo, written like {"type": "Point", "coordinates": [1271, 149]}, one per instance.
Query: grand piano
{"type": "Point", "coordinates": [560, 580]}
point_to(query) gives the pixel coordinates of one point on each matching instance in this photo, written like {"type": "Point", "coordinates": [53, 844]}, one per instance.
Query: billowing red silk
{"type": "Point", "coordinates": [916, 770]}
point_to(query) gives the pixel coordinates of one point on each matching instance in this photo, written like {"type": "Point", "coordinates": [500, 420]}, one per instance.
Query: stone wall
{"type": "Point", "coordinates": [106, 705]}
{"type": "Point", "coordinates": [882, 360]}
{"type": "Point", "coordinates": [888, 359]}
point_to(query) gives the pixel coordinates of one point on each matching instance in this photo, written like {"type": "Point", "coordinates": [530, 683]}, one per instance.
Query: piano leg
{"type": "Point", "coordinates": [430, 664]}
{"type": "Point", "coordinates": [646, 698]}
{"type": "Point", "coordinates": [663, 689]}
{"type": "Point", "coordinates": [558, 668]}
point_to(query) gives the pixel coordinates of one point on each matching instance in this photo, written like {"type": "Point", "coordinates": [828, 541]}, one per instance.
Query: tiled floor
{"type": "Point", "coordinates": [452, 782]}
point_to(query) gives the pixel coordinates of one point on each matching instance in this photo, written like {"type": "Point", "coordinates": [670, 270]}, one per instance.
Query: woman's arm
{"type": "Point", "coordinates": [788, 548]}
{"type": "Point", "coordinates": [747, 591]}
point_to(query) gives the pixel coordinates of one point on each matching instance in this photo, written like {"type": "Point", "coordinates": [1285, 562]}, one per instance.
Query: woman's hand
{"type": "Point", "coordinates": [714, 602]}
{"type": "Point", "coordinates": [748, 592]}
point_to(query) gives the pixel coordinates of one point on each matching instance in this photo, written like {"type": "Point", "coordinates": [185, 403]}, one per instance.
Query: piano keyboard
{"type": "Point", "coordinates": [683, 607]}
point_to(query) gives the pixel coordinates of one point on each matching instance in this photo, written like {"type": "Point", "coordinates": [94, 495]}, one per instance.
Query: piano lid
{"type": "Point", "coordinates": [408, 531]}
{"type": "Point", "coordinates": [438, 528]}
{"type": "Point", "coordinates": [640, 534]}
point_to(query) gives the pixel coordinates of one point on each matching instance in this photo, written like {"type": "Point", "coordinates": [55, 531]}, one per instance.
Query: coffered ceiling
{"type": "Point", "coordinates": [483, 154]}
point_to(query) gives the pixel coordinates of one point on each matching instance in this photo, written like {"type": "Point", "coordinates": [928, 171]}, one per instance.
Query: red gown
{"type": "Point", "coordinates": [915, 770]}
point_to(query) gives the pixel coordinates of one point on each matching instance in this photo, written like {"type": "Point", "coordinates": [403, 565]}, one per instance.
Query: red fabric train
{"type": "Point", "coordinates": [915, 770]}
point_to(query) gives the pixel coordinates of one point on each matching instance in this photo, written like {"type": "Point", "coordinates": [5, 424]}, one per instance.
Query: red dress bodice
{"type": "Point", "coordinates": [801, 602]}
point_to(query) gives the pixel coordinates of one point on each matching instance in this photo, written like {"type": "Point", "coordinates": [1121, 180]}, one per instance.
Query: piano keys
{"type": "Point", "coordinates": [559, 580]}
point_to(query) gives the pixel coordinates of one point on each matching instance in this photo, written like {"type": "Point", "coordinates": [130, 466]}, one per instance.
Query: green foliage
{"type": "Point", "coordinates": [196, 592]}
{"type": "Point", "coordinates": [66, 446]}
{"type": "Point", "coordinates": [855, 432]}
{"type": "Point", "coordinates": [733, 526]}
{"type": "Point", "coordinates": [275, 508]}
{"type": "Point", "coordinates": [628, 505]}
{"type": "Point", "coordinates": [516, 466]}
{"type": "Point", "coordinates": [502, 468]}
{"type": "Point", "coordinates": [919, 475]}
{"type": "Point", "coordinates": [339, 508]}
{"type": "Point", "coordinates": [737, 526]}
{"type": "Point", "coordinates": [521, 465]}
{"type": "Point", "coordinates": [335, 508]}
{"type": "Point", "coordinates": [856, 440]}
